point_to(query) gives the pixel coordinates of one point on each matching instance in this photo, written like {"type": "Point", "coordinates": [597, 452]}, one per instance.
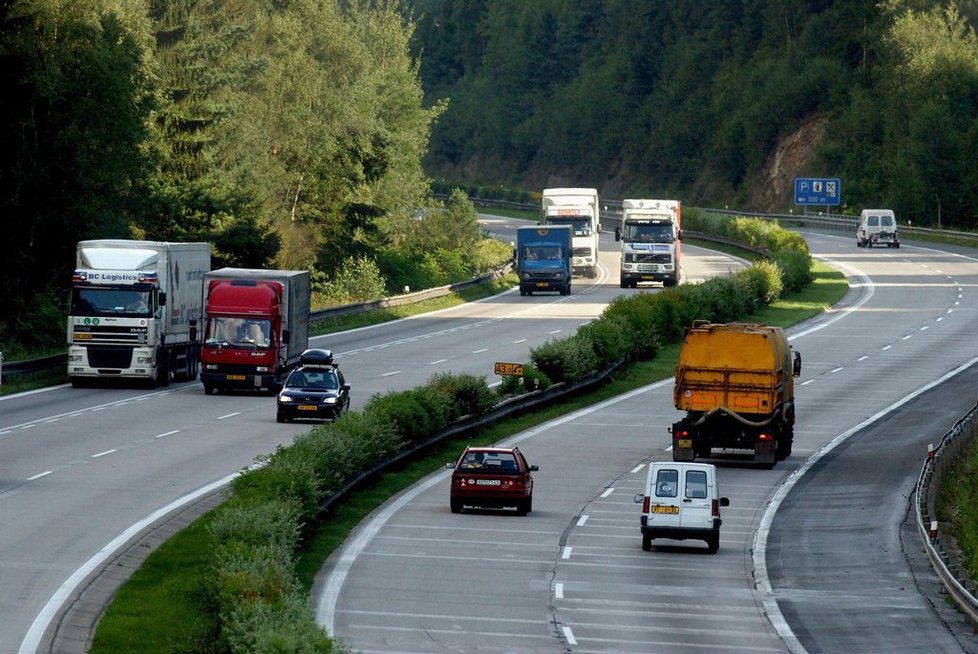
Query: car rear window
{"type": "Point", "coordinates": [493, 462]}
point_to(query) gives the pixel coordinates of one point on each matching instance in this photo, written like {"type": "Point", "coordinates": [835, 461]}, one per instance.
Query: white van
{"type": "Point", "coordinates": [681, 501]}
{"type": "Point", "coordinates": [876, 227]}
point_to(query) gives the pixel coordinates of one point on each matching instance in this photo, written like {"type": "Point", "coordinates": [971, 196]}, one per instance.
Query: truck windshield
{"type": "Point", "coordinates": [248, 333]}
{"type": "Point", "coordinates": [580, 224]}
{"type": "Point", "coordinates": [541, 253]}
{"type": "Point", "coordinates": [647, 233]}
{"type": "Point", "coordinates": [111, 301]}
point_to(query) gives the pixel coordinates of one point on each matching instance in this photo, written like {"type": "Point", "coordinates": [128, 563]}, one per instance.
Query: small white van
{"type": "Point", "coordinates": [877, 227]}
{"type": "Point", "coordinates": [681, 501]}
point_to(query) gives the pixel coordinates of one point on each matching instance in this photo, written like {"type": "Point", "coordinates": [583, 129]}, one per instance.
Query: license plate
{"type": "Point", "coordinates": [307, 407]}
{"type": "Point", "coordinates": [670, 510]}
{"type": "Point", "coordinates": [487, 482]}
{"type": "Point", "coordinates": [236, 377]}
{"type": "Point", "coordinates": [684, 442]}
{"type": "Point", "coordinates": [542, 284]}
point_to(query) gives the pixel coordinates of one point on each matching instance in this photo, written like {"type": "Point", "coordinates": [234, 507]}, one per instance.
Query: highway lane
{"type": "Point", "coordinates": [571, 576]}
{"type": "Point", "coordinates": [82, 467]}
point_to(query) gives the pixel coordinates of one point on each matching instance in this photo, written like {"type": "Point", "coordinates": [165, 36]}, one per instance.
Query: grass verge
{"type": "Point", "coordinates": [165, 589]}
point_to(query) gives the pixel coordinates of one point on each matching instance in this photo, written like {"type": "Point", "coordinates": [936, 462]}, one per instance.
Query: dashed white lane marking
{"type": "Point", "coordinates": [581, 521]}
{"type": "Point", "coordinates": [388, 374]}
{"type": "Point", "coordinates": [569, 635]}
{"type": "Point", "coordinates": [559, 590]}
{"type": "Point", "coordinates": [40, 474]}
{"type": "Point", "coordinates": [566, 553]}
{"type": "Point", "coordinates": [607, 492]}
{"type": "Point", "coordinates": [521, 340]}
{"type": "Point", "coordinates": [229, 415]}
{"type": "Point", "coordinates": [637, 468]}
{"type": "Point", "coordinates": [105, 453]}
{"type": "Point", "coordinates": [863, 357]}
{"type": "Point", "coordinates": [167, 433]}
{"type": "Point", "coordinates": [435, 363]}
{"type": "Point", "coordinates": [480, 350]}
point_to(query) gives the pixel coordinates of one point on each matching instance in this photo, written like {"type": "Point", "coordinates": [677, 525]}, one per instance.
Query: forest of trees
{"type": "Point", "coordinates": [286, 134]}
{"type": "Point", "coordinates": [306, 133]}
{"type": "Point", "coordinates": [692, 99]}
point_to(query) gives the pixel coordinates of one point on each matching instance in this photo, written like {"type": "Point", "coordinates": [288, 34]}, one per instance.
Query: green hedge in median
{"type": "Point", "coordinates": [252, 601]}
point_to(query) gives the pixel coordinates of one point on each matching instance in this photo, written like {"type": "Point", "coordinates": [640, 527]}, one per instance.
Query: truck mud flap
{"type": "Point", "coordinates": [765, 453]}
{"type": "Point", "coordinates": [683, 454]}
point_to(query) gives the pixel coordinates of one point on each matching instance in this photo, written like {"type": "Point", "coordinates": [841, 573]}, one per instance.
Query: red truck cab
{"type": "Point", "coordinates": [249, 340]}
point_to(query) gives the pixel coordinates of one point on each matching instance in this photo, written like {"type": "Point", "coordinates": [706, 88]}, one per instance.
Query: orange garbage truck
{"type": "Point", "coordinates": [735, 381]}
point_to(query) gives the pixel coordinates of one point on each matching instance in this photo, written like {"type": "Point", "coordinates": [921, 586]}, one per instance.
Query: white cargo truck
{"type": "Point", "coordinates": [136, 311]}
{"type": "Point", "coordinates": [577, 207]}
{"type": "Point", "coordinates": [650, 236]}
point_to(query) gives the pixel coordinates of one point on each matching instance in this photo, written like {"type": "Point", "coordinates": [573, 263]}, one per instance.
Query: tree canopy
{"type": "Point", "coordinates": [693, 99]}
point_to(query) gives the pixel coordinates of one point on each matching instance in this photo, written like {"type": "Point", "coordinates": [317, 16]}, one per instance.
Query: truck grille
{"type": "Point", "coordinates": [109, 357]}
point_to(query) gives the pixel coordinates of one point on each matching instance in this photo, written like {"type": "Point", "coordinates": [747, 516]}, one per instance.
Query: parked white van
{"type": "Point", "coordinates": [681, 501]}
{"type": "Point", "coordinates": [877, 226]}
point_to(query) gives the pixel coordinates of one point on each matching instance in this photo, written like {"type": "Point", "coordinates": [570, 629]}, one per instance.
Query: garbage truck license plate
{"type": "Point", "coordinates": [684, 442]}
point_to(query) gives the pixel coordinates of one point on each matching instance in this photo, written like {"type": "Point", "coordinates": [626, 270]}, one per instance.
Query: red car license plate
{"type": "Point", "coordinates": [487, 482]}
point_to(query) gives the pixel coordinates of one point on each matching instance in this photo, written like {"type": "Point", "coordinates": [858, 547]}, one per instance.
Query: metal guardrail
{"type": "Point", "coordinates": [20, 369]}
{"type": "Point", "coordinates": [943, 559]}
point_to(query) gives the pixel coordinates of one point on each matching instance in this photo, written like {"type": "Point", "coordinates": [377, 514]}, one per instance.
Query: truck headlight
{"type": "Point", "coordinates": [144, 360]}
{"type": "Point", "coordinates": [75, 358]}
{"type": "Point", "coordinates": [526, 275]}
{"type": "Point", "coordinates": [210, 366]}
{"type": "Point", "coordinates": [261, 369]}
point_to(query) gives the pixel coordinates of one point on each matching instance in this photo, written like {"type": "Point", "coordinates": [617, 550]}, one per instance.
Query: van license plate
{"type": "Point", "coordinates": [684, 443]}
{"type": "Point", "coordinates": [671, 510]}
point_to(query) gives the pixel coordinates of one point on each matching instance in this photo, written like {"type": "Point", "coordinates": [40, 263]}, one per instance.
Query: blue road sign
{"type": "Point", "coordinates": [817, 190]}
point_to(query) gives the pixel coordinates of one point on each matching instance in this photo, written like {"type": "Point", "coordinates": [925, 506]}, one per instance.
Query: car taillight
{"type": "Point", "coordinates": [715, 508]}
{"type": "Point", "coordinates": [646, 504]}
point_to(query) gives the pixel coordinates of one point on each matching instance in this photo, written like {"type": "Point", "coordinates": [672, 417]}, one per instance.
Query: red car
{"type": "Point", "coordinates": [492, 477]}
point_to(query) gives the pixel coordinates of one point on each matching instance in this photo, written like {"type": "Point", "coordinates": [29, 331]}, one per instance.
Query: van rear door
{"type": "Point", "coordinates": [664, 495]}
{"type": "Point", "coordinates": [696, 492]}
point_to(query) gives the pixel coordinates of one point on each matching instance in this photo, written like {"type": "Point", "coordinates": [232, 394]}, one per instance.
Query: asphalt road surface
{"type": "Point", "coordinates": [814, 556]}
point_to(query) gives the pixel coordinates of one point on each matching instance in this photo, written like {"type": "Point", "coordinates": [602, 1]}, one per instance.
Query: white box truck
{"type": "Point", "coordinates": [650, 236]}
{"type": "Point", "coordinates": [135, 311]}
{"type": "Point", "coordinates": [577, 207]}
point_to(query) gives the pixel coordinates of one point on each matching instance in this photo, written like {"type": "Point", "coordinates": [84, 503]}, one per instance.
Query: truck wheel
{"type": "Point", "coordinates": [623, 283]}
{"type": "Point", "coordinates": [646, 543]}
{"type": "Point", "coordinates": [713, 543]}
{"type": "Point", "coordinates": [208, 389]}
{"type": "Point", "coordinates": [163, 370]}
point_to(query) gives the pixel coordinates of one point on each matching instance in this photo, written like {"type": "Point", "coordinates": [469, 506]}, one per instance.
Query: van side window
{"type": "Point", "coordinates": [667, 483]}
{"type": "Point", "coordinates": [696, 484]}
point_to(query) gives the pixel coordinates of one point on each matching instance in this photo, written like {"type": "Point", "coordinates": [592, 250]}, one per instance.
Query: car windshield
{"type": "Point", "coordinates": [318, 379]}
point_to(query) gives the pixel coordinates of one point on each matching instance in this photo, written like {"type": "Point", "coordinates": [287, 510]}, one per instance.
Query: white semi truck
{"type": "Point", "coordinates": [136, 311]}
{"type": "Point", "coordinates": [577, 207]}
{"type": "Point", "coordinates": [650, 236]}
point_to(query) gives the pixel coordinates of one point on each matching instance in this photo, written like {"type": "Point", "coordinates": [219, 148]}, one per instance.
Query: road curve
{"type": "Point", "coordinates": [571, 576]}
